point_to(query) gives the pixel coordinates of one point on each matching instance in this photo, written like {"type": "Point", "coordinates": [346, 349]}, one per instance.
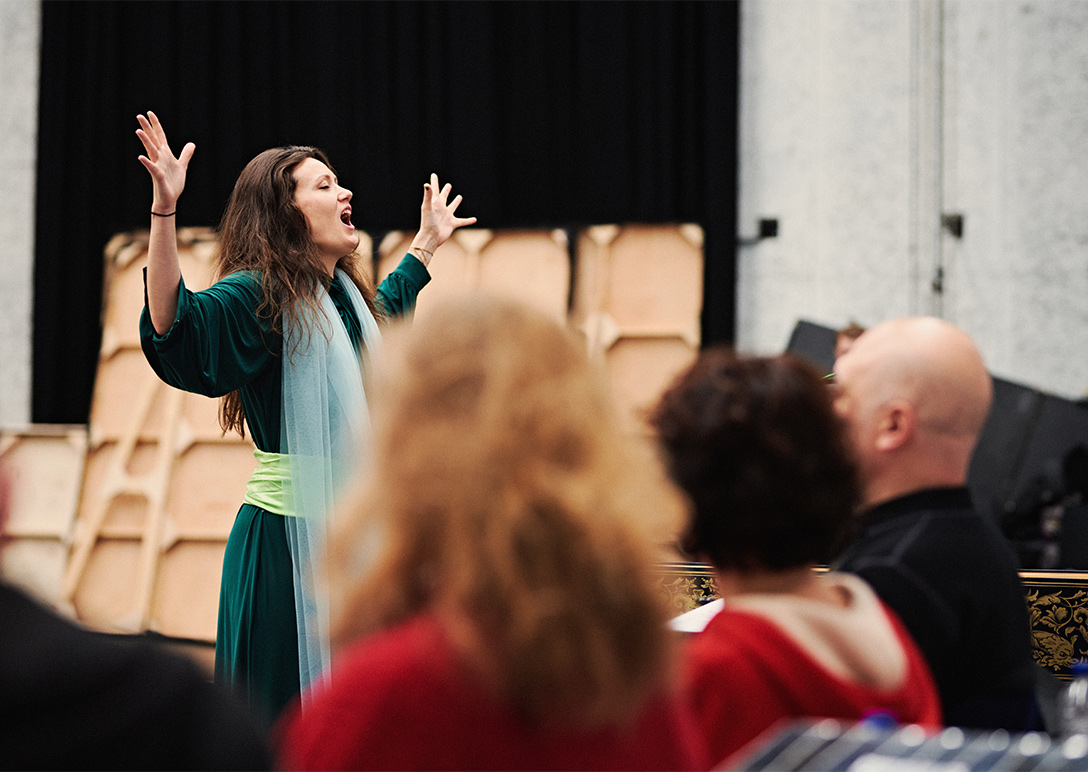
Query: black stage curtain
{"type": "Point", "coordinates": [542, 114]}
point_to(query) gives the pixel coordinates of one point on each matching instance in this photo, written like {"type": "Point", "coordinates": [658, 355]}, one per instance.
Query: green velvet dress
{"type": "Point", "coordinates": [215, 346]}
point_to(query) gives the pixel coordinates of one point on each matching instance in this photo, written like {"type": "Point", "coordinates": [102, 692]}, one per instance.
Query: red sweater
{"type": "Point", "coordinates": [399, 700]}
{"type": "Point", "coordinates": [744, 674]}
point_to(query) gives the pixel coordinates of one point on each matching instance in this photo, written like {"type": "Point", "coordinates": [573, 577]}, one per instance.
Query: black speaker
{"type": "Point", "coordinates": [814, 343]}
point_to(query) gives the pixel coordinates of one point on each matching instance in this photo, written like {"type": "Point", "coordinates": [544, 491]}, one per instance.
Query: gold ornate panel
{"type": "Point", "coordinates": [687, 585]}
{"type": "Point", "coordinates": [1057, 605]}
{"type": "Point", "coordinates": [1059, 618]}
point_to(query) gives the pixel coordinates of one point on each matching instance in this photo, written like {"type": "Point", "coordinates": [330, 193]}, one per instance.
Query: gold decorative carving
{"type": "Point", "coordinates": [1057, 605]}
{"type": "Point", "coordinates": [1059, 617]}
{"type": "Point", "coordinates": [687, 585]}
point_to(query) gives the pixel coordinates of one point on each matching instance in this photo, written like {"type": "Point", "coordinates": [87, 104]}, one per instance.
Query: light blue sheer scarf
{"type": "Point", "coordinates": [325, 430]}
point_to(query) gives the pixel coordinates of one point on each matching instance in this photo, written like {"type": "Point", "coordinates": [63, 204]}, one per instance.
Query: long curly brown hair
{"type": "Point", "coordinates": [264, 231]}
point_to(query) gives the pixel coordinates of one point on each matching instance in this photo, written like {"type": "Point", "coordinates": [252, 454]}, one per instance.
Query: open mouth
{"type": "Point", "coordinates": [345, 217]}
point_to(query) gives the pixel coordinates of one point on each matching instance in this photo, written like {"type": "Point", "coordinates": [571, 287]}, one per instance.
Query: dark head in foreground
{"type": "Point", "coordinates": [757, 445]}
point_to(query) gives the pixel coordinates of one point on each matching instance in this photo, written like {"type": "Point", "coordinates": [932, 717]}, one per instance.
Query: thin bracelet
{"type": "Point", "coordinates": [428, 253]}
{"type": "Point", "coordinates": [168, 214]}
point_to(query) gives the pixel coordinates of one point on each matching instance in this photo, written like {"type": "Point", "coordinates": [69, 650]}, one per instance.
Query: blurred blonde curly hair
{"type": "Point", "coordinates": [505, 499]}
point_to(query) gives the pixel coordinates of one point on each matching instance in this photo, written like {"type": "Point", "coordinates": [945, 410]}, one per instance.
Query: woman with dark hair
{"type": "Point", "coordinates": [758, 447]}
{"type": "Point", "coordinates": [279, 337]}
{"type": "Point", "coordinates": [495, 604]}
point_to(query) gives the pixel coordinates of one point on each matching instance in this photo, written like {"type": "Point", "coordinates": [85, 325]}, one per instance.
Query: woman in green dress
{"type": "Point", "coordinates": [280, 337]}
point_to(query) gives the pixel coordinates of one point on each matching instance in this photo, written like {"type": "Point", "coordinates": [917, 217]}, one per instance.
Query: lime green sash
{"type": "Point", "coordinates": [269, 486]}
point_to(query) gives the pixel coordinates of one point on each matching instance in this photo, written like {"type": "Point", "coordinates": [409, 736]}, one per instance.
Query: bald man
{"type": "Point", "coordinates": [914, 394]}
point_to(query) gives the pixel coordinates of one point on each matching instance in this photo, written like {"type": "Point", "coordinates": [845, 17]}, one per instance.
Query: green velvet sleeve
{"type": "Point", "coordinates": [397, 292]}
{"type": "Point", "coordinates": [216, 344]}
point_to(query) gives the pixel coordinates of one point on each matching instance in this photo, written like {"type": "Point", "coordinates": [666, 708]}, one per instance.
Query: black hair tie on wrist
{"type": "Point", "coordinates": [168, 214]}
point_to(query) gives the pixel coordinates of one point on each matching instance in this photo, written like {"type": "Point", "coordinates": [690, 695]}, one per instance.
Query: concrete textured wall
{"type": "Point", "coordinates": [19, 46]}
{"type": "Point", "coordinates": [863, 121]}
{"type": "Point", "coordinates": [1017, 129]}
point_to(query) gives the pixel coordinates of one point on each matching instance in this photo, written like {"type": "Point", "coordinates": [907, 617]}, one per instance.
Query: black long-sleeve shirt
{"type": "Point", "coordinates": [950, 576]}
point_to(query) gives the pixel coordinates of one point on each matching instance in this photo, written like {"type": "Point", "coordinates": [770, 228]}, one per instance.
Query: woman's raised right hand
{"type": "Point", "coordinates": [167, 172]}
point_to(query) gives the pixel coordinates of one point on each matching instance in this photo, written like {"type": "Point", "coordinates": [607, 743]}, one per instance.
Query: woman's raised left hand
{"type": "Point", "coordinates": [437, 220]}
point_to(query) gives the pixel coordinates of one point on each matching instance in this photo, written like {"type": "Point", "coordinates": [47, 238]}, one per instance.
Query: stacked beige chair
{"type": "Point", "coordinates": [530, 265]}
{"type": "Point", "coordinates": [161, 484]}
{"type": "Point", "coordinates": [123, 525]}
{"type": "Point", "coordinates": [638, 298]}
{"type": "Point", "coordinates": [46, 464]}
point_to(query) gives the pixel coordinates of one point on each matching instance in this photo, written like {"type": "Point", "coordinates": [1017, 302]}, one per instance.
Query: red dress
{"type": "Point", "coordinates": [744, 673]}
{"type": "Point", "coordinates": [399, 700]}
